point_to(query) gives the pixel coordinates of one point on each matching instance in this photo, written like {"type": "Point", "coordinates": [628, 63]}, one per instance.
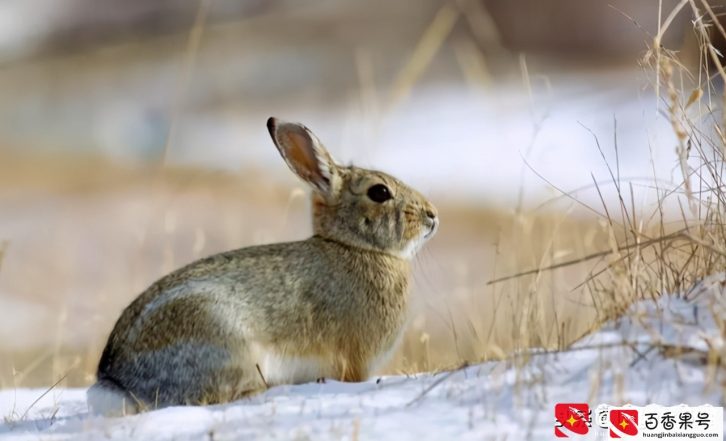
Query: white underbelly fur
{"type": "Point", "coordinates": [384, 357]}
{"type": "Point", "coordinates": [277, 368]}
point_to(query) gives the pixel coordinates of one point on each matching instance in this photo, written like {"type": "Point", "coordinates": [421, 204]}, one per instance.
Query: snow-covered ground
{"type": "Point", "coordinates": [655, 354]}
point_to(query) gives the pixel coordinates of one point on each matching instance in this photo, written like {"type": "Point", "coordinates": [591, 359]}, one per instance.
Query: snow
{"type": "Point", "coordinates": [626, 361]}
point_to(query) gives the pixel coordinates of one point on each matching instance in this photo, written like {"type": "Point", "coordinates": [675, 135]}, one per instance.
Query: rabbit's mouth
{"type": "Point", "coordinates": [432, 223]}
{"type": "Point", "coordinates": [413, 246]}
{"type": "Point", "coordinates": [432, 230]}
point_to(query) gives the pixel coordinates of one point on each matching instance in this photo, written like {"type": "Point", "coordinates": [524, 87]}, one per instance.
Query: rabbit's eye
{"type": "Point", "coordinates": [379, 193]}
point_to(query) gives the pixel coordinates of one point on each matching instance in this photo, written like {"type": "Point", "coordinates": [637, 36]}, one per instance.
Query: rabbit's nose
{"type": "Point", "coordinates": [430, 214]}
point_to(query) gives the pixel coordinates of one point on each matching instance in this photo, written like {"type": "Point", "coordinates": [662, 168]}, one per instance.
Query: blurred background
{"type": "Point", "coordinates": [133, 141]}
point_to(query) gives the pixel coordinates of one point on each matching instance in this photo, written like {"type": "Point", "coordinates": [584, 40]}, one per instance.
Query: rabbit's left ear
{"type": "Point", "coordinates": [305, 155]}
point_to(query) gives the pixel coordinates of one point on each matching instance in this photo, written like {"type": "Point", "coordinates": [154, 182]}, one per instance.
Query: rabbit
{"type": "Point", "coordinates": [233, 324]}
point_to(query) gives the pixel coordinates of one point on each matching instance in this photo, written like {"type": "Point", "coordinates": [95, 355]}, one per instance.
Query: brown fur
{"type": "Point", "coordinates": [237, 322]}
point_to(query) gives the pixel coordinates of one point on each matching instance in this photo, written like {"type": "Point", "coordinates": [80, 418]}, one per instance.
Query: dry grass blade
{"type": "Point", "coordinates": [192, 48]}
{"type": "Point", "coordinates": [589, 257]}
{"type": "Point", "coordinates": [3, 249]}
{"type": "Point", "coordinates": [710, 246]}
{"type": "Point", "coordinates": [436, 383]}
{"type": "Point", "coordinates": [703, 31]}
{"type": "Point", "coordinates": [262, 377]}
{"type": "Point", "coordinates": [25, 414]}
{"type": "Point", "coordinates": [430, 43]}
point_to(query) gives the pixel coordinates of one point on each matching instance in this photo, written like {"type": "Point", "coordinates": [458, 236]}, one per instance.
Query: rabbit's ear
{"type": "Point", "coordinates": [305, 155]}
